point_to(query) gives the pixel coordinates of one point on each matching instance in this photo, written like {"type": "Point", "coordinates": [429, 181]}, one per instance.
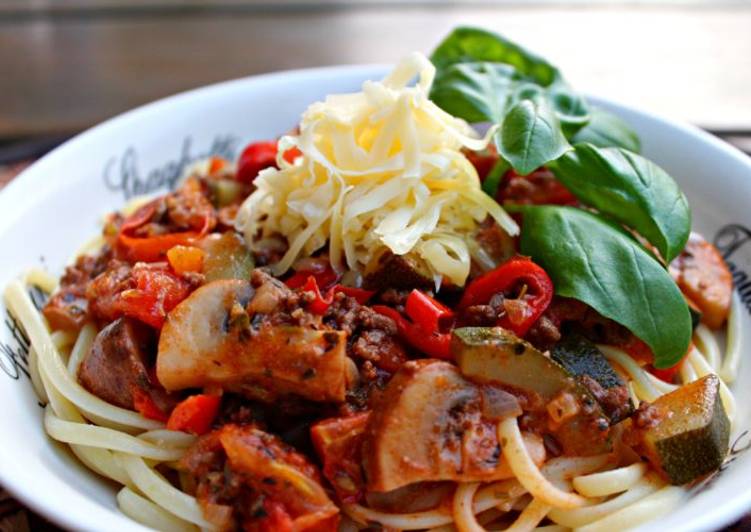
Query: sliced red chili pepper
{"type": "Point", "coordinates": [322, 303]}
{"type": "Point", "coordinates": [514, 274]}
{"type": "Point", "coordinates": [425, 331]}
{"type": "Point", "coordinates": [325, 278]}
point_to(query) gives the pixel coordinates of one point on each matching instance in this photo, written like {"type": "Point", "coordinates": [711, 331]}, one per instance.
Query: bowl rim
{"type": "Point", "coordinates": [25, 489]}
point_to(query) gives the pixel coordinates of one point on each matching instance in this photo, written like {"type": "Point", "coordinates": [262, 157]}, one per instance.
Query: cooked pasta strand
{"type": "Point", "coordinates": [729, 369]}
{"type": "Point", "coordinates": [104, 438]}
{"type": "Point", "coordinates": [706, 342]}
{"type": "Point", "coordinates": [527, 472]}
{"type": "Point", "coordinates": [581, 516]}
{"type": "Point", "coordinates": [81, 347]}
{"type": "Point", "coordinates": [650, 507]}
{"type": "Point", "coordinates": [156, 488]}
{"type": "Point", "coordinates": [530, 516]}
{"type": "Point", "coordinates": [149, 514]}
{"type": "Point", "coordinates": [44, 280]}
{"type": "Point", "coordinates": [19, 303]}
{"type": "Point", "coordinates": [610, 482]}
{"type": "Point", "coordinates": [464, 515]}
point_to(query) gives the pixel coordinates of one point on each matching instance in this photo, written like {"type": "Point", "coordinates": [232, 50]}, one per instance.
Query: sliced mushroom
{"type": "Point", "coordinates": [211, 339]}
{"type": "Point", "coordinates": [430, 425]}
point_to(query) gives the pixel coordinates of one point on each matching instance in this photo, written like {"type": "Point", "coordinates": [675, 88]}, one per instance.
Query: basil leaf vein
{"type": "Point", "coordinates": [630, 189]}
{"type": "Point", "coordinates": [596, 262]}
{"type": "Point", "coordinates": [530, 136]}
{"type": "Point", "coordinates": [607, 130]}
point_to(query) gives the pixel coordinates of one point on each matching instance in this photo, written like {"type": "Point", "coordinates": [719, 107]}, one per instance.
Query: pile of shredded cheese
{"type": "Point", "coordinates": [381, 168]}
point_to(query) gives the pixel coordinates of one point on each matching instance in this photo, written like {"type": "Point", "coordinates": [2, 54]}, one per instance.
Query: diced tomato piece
{"type": "Point", "coordinates": [338, 444]}
{"type": "Point", "coordinates": [254, 158]}
{"type": "Point", "coordinates": [195, 414]}
{"type": "Point", "coordinates": [146, 406]}
{"type": "Point", "coordinates": [157, 292]}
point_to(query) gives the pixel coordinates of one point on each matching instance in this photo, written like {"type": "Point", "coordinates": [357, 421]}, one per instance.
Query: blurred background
{"type": "Point", "coordinates": [68, 64]}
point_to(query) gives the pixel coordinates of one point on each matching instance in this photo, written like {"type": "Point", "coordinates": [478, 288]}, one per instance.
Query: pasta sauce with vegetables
{"type": "Point", "coordinates": [385, 321]}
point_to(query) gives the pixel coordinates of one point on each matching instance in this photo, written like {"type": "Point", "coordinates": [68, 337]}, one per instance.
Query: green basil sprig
{"type": "Point", "coordinates": [605, 130]}
{"type": "Point", "coordinates": [630, 189]}
{"type": "Point", "coordinates": [596, 262]}
{"type": "Point", "coordinates": [483, 77]}
{"type": "Point", "coordinates": [590, 256]}
{"type": "Point", "coordinates": [531, 136]}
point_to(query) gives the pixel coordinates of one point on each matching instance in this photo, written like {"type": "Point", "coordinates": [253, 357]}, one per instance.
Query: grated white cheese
{"type": "Point", "coordinates": [381, 168]}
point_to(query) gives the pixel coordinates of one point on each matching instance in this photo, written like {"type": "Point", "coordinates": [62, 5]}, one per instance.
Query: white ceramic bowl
{"type": "Point", "coordinates": [46, 213]}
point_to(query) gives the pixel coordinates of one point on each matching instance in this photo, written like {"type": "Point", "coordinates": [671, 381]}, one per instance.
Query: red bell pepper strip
{"type": "Point", "coordinates": [195, 414]}
{"type": "Point", "coordinates": [146, 406]}
{"type": "Point", "coordinates": [325, 278]}
{"type": "Point", "coordinates": [514, 274]}
{"type": "Point", "coordinates": [426, 332]}
{"type": "Point", "coordinates": [153, 248]}
{"type": "Point", "coordinates": [321, 303]}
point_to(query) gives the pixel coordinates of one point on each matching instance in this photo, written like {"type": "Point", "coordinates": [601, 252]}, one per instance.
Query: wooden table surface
{"type": "Point", "coordinates": [65, 65]}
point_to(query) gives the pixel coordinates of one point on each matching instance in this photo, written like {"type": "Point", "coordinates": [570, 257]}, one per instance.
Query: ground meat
{"type": "Point", "coordinates": [484, 315]}
{"type": "Point", "coordinates": [106, 288]}
{"type": "Point", "coordinates": [394, 298]}
{"type": "Point", "coordinates": [578, 317]}
{"type": "Point", "coordinates": [278, 304]}
{"type": "Point", "coordinates": [372, 336]}
{"type": "Point", "coordinates": [543, 334]}
{"type": "Point", "coordinates": [615, 401]}
{"type": "Point", "coordinates": [68, 308]}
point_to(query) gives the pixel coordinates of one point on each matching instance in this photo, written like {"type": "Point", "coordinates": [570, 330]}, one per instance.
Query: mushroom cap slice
{"type": "Point", "coordinates": [430, 425]}
{"type": "Point", "coordinates": [210, 339]}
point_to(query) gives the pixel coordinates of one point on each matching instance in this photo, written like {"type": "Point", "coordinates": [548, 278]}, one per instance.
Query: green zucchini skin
{"type": "Point", "coordinates": [688, 432]}
{"type": "Point", "coordinates": [588, 365]}
{"type": "Point", "coordinates": [494, 355]}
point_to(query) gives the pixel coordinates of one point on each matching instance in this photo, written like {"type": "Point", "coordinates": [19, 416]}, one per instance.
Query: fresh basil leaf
{"type": "Point", "coordinates": [530, 136]}
{"type": "Point", "coordinates": [606, 130]}
{"type": "Point", "coordinates": [466, 44]}
{"type": "Point", "coordinates": [630, 189]}
{"type": "Point", "coordinates": [476, 92]}
{"type": "Point", "coordinates": [594, 261]}
{"type": "Point", "coordinates": [480, 89]}
{"type": "Point", "coordinates": [493, 180]}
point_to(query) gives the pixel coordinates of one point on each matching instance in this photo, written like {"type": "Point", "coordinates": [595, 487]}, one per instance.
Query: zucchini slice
{"type": "Point", "coordinates": [685, 434]}
{"type": "Point", "coordinates": [494, 355]}
{"type": "Point", "coordinates": [588, 365]}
